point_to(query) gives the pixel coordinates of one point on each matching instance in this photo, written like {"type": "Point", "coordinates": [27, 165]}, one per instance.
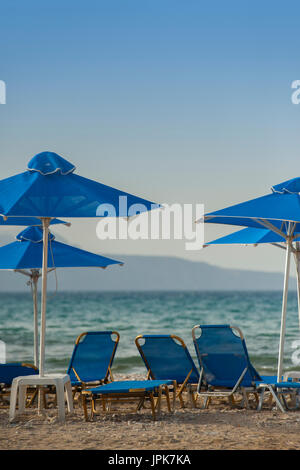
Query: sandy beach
{"type": "Point", "coordinates": [220, 427]}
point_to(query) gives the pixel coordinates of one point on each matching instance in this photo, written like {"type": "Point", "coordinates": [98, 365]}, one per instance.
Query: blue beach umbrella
{"type": "Point", "coordinates": [278, 212]}
{"type": "Point", "coordinates": [50, 188]}
{"type": "Point", "coordinates": [27, 254]}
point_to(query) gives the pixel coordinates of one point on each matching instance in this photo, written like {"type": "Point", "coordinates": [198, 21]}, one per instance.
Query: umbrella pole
{"type": "Point", "coordinates": [284, 306]}
{"type": "Point", "coordinates": [34, 277]}
{"type": "Point", "coordinates": [46, 223]}
{"type": "Point", "coordinates": [35, 315]}
{"type": "Point", "coordinates": [297, 262]}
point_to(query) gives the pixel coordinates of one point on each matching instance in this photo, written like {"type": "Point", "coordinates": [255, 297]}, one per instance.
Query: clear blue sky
{"type": "Point", "coordinates": [175, 101]}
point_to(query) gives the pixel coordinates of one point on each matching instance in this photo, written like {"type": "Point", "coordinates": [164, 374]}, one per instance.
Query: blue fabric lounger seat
{"type": "Point", "coordinates": [167, 357]}
{"type": "Point", "coordinates": [92, 358]}
{"type": "Point", "coordinates": [128, 390]}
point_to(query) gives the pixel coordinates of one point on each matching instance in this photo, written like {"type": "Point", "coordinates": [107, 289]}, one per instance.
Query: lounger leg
{"type": "Point", "coordinates": [232, 400]}
{"type": "Point", "coordinates": [174, 395]}
{"type": "Point", "coordinates": [293, 398]}
{"type": "Point", "coordinates": [261, 398]}
{"type": "Point", "coordinates": [277, 401]}
{"type": "Point", "coordinates": [158, 402]}
{"type": "Point", "coordinates": [191, 396]}
{"type": "Point", "coordinates": [103, 403]}
{"type": "Point", "coordinates": [168, 398]}
{"type": "Point", "coordinates": [93, 407]}
{"type": "Point", "coordinates": [284, 402]}
{"type": "Point", "coordinates": [180, 399]}
{"type": "Point", "coordinates": [152, 406]}
{"type": "Point", "coordinates": [107, 404]}
{"type": "Point", "coordinates": [33, 397]}
{"type": "Point", "coordinates": [194, 399]}
{"type": "Point", "coordinates": [245, 402]}
{"type": "Point", "coordinates": [206, 402]}
{"type": "Point", "coordinates": [270, 400]}
{"type": "Point", "coordinates": [256, 397]}
{"type": "Point", "coordinates": [79, 399]}
{"type": "Point", "coordinates": [44, 394]}
{"type": "Point", "coordinates": [140, 404]}
{"type": "Point", "coordinates": [84, 406]}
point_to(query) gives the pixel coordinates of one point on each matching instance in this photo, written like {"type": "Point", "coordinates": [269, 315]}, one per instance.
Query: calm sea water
{"type": "Point", "coordinates": [132, 313]}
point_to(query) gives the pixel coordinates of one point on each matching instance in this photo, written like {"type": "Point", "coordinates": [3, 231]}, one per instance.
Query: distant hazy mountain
{"type": "Point", "coordinates": [153, 273]}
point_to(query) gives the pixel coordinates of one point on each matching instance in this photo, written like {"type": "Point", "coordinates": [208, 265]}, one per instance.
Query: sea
{"type": "Point", "coordinates": [257, 314]}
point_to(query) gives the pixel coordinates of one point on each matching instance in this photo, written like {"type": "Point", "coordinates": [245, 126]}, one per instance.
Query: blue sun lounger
{"type": "Point", "coordinates": [166, 357]}
{"type": "Point", "coordinates": [225, 366]}
{"type": "Point", "coordinates": [129, 390]}
{"type": "Point", "coordinates": [9, 371]}
{"type": "Point", "coordinates": [92, 358]}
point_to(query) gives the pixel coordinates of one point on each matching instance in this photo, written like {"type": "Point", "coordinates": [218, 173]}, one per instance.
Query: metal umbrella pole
{"type": "Point", "coordinates": [289, 248]}
{"type": "Point", "coordinates": [46, 223]}
{"type": "Point", "coordinates": [35, 278]}
{"type": "Point", "coordinates": [284, 308]}
{"type": "Point", "coordinates": [34, 275]}
{"type": "Point", "coordinates": [297, 262]}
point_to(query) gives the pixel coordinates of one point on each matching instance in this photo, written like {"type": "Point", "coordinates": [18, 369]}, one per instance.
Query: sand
{"type": "Point", "coordinates": [220, 427]}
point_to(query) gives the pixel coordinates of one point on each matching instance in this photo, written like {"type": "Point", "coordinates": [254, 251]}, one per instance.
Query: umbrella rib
{"type": "Point", "coordinates": [278, 245]}
{"type": "Point", "coordinates": [267, 224]}
{"type": "Point", "coordinates": [22, 271]}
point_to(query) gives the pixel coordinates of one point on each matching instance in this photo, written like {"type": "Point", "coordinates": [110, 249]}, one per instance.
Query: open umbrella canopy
{"type": "Point", "coordinates": [27, 253]}
{"type": "Point", "coordinates": [250, 236]}
{"type": "Point", "coordinates": [51, 188]}
{"type": "Point", "coordinates": [273, 210]}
